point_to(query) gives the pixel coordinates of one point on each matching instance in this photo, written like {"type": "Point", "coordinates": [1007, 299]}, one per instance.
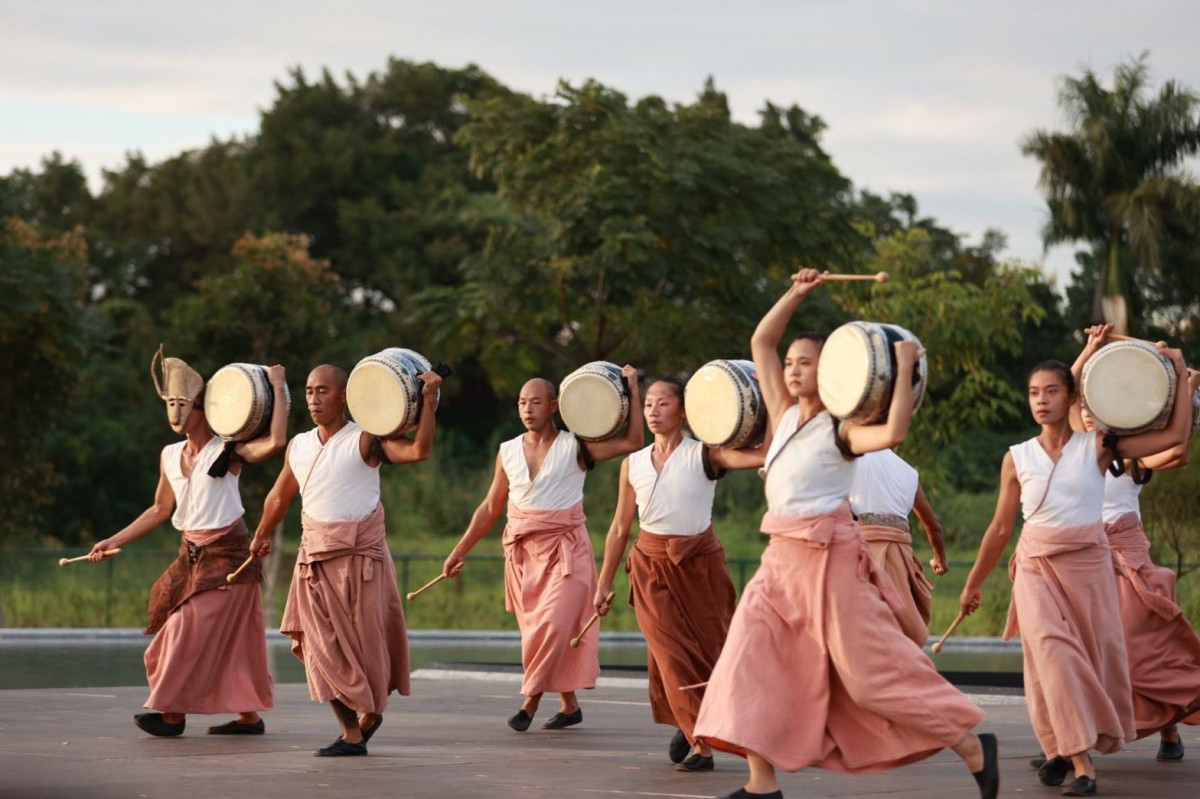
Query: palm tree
{"type": "Point", "coordinates": [1116, 177]}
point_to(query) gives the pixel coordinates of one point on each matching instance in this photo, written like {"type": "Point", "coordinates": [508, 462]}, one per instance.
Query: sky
{"type": "Point", "coordinates": [924, 97]}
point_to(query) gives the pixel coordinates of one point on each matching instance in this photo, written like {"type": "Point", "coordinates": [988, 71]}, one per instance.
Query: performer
{"type": "Point", "coordinates": [549, 568]}
{"type": "Point", "coordinates": [679, 585]}
{"type": "Point", "coordinates": [885, 489]}
{"type": "Point", "coordinates": [1163, 649]}
{"type": "Point", "coordinates": [209, 653]}
{"type": "Point", "coordinates": [1064, 600]}
{"type": "Point", "coordinates": [816, 670]}
{"type": "Point", "coordinates": [343, 609]}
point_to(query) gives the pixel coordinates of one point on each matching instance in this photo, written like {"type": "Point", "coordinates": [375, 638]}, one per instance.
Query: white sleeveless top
{"type": "Point", "coordinates": [559, 483]}
{"type": "Point", "coordinates": [884, 483]}
{"type": "Point", "coordinates": [1076, 493]}
{"type": "Point", "coordinates": [679, 499]}
{"type": "Point", "coordinates": [1120, 497]}
{"type": "Point", "coordinates": [201, 502]}
{"type": "Point", "coordinates": [338, 486]}
{"type": "Point", "coordinates": [806, 473]}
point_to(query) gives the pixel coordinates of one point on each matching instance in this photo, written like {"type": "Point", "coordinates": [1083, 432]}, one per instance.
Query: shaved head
{"type": "Point", "coordinates": [542, 386]}
{"type": "Point", "coordinates": [329, 375]}
{"type": "Point", "coordinates": [537, 403]}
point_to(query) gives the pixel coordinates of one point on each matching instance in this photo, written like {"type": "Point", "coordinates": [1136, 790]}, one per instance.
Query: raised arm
{"type": "Point", "coordinates": [991, 548]}
{"type": "Point", "coordinates": [872, 437]}
{"type": "Point", "coordinates": [418, 448]}
{"type": "Point", "coordinates": [1097, 338]}
{"type": "Point", "coordinates": [1180, 455]}
{"type": "Point", "coordinates": [482, 520]}
{"type": "Point", "coordinates": [1175, 434]}
{"type": "Point", "coordinates": [145, 523]}
{"type": "Point", "coordinates": [616, 541]}
{"type": "Point", "coordinates": [933, 531]}
{"type": "Point", "coordinates": [276, 439]}
{"type": "Point", "coordinates": [764, 344]}
{"type": "Point", "coordinates": [274, 509]}
{"type": "Point", "coordinates": [635, 432]}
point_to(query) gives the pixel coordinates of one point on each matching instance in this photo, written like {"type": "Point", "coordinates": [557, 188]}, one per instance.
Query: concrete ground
{"type": "Point", "coordinates": [449, 740]}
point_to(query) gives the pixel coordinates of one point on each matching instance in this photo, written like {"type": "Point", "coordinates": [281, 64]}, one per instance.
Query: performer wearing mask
{"type": "Point", "coordinates": [816, 670]}
{"type": "Point", "coordinates": [885, 490]}
{"type": "Point", "coordinates": [549, 568]}
{"type": "Point", "coordinates": [343, 609]}
{"type": "Point", "coordinates": [209, 653]}
{"type": "Point", "coordinates": [679, 585]}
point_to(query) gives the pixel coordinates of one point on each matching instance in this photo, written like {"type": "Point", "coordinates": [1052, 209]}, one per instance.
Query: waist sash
{"type": "Point", "coordinates": [202, 568]}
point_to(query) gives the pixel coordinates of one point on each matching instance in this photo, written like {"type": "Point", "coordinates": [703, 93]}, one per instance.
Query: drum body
{"type": "Point", "coordinates": [857, 371]}
{"type": "Point", "coordinates": [724, 404]}
{"type": "Point", "coordinates": [1128, 387]}
{"type": "Point", "coordinates": [239, 401]}
{"type": "Point", "coordinates": [594, 401]}
{"type": "Point", "coordinates": [384, 391]}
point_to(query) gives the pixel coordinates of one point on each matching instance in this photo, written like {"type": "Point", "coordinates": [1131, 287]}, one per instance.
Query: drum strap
{"type": "Point", "coordinates": [220, 466]}
{"type": "Point", "coordinates": [377, 450]}
{"type": "Point", "coordinates": [1117, 467]}
{"type": "Point", "coordinates": [710, 469]}
{"type": "Point", "coordinates": [585, 455]}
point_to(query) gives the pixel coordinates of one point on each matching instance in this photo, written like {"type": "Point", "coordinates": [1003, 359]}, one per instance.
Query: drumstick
{"type": "Point", "coordinates": [957, 620]}
{"type": "Point", "coordinates": [105, 555]}
{"type": "Point", "coordinates": [1119, 337]}
{"type": "Point", "coordinates": [591, 621]}
{"type": "Point", "coordinates": [229, 578]}
{"type": "Point", "coordinates": [414, 594]}
{"type": "Point", "coordinates": [878, 277]}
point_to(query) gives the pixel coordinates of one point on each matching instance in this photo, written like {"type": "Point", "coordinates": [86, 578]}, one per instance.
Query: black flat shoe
{"type": "Point", "coordinates": [153, 723]}
{"type": "Point", "coordinates": [1082, 786]}
{"type": "Point", "coordinates": [697, 762]}
{"type": "Point", "coordinates": [235, 727]}
{"type": "Point", "coordinates": [340, 748]}
{"type": "Point", "coordinates": [562, 720]}
{"type": "Point", "coordinates": [521, 721]}
{"type": "Point", "coordinates": [1170, 751]}
{"type": "Point", "coordinates": [679, 747]}
{"type": "Point", "coordinates": [1036, 763]}
{"type": "Point", "coordinates": [1054, 771]}
{"type": "Point", "coordinates": [742, 793]}
{"type": "Point", "coordinates": [988, 777]}
{"type": "Point", "coordinates": [369, 731]}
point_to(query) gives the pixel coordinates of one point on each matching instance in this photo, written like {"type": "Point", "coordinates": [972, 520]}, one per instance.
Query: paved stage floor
{"type": "Point", "coordinates": [449, 740]}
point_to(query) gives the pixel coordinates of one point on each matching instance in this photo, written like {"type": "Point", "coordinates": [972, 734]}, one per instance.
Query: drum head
{"type": "Point", "coordinates": [850, 362]}
{"type": "Point", "coordinates": [1128, 387]}
{"type": "Point", "coordinates": [229, 400]}
{"type": "Point", "coordinates": [592, 401]}
{"type": "Point", "coordinates": [383, 400]}
{"type": "Point", "coordinates": [723, 403]}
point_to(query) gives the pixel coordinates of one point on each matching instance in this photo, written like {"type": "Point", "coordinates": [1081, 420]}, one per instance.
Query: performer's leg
{"type": "Point", "coordinates": [348, 719]}
{"type": "Point", "coordinates": [174, 718]}
{"type": "Point", "coordinates": [569, 703]}
{"type": "Point", "coordinates": [762, 775]}
{"type": "Point", "coordinates": [530, 705]}
{"type": "Point", "coordinates": [248, 718]}
{"type": "Point", "coordinates": [1170, 733]}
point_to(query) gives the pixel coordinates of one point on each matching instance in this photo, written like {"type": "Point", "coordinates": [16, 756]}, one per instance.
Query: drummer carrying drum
{"type": "Point", "coordinates": [209, 653]}
{"type": "Point", "coordinates": [549, 569]}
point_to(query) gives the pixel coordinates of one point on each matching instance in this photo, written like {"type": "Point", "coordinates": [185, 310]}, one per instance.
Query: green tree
{"type": "Point", "coordinates": [1116, 178]}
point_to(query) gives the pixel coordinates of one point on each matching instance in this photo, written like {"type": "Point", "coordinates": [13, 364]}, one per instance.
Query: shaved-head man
{"type": "Point", "coordinates": [549, 568]}
{"type": "Point", "coordinates": [343, 610]}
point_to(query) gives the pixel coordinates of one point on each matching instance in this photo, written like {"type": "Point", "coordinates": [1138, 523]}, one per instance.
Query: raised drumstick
{"type": "Point", "coordinates": [229, 578]}
{"type": "Point", "coordinates": [878, 277]}
{"type": "Point", "coordinates": [1119, 337]}
{"type": "Point", "coordinates": [108, 553]}
{"type": "Point", "coordinates": [414, 594]}
{"type": "Point", "coordinates": [957, 620]}
{"type": "Point", "coordinates": [575, 641]}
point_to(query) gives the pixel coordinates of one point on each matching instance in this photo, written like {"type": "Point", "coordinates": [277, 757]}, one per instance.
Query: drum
{"type": "Point", "coordinates": [594, 401]}
{"type": "Point", "coordinates": [1195, 411]}
{"type": "Point", "coordinates": [857, 371]}
{"type": "Point", "coordinates": [239, 401]}
{"type": "Point", "coordinates": [1128, 387]}
{"type": "Point", "coordinates": [724, 404]}
{"type": "Point", "coordinates": [384, 391]}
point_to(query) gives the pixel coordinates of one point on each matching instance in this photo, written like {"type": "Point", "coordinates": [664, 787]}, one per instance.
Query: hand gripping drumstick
{"type": "Point", "coordinates": [108, 553]}
{"type": "Point", "coordinates": [229, 578]}
{"type": "Point", "coordinates": [954, 625]}
{"type": "Point", "coordinates": [878, 277]}
{"type": "Point", "coordinates": [414, 594]}
{"type": "Point", "coordinates": [575, 641]}
{"type": "Point", "coordinates": [1119, 337]}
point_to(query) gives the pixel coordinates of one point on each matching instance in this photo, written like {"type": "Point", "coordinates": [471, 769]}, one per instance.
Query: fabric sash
{"type": "Point", "coordinates": [544, 535]}
{"type": "Point", "coordinates": [1130, 552]}
{"type": "Point", "coordinates": [677, 548]}
{"type": "Point", "coordinates": [202, 568]}
{"type": "Point", "coordinates": [328, 540]}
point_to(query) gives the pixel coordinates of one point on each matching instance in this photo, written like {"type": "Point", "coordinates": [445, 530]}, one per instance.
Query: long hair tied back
{"type": "Point", "coordinates": [1058, 367]}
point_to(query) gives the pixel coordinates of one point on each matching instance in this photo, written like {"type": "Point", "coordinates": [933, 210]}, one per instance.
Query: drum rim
{"type": "Point", "coordinates": [880, 378]}
{"type": "Point", "coordinates": [611, 375]}
{"type": "Point", "coordinates": [403, 367]}
{"type": "Point", "coordinates": [261, 405]}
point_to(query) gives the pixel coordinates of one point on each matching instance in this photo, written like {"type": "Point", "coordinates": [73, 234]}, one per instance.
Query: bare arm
{"type": "Point", "coordinates": [991, 548]}
{"type": "Point", "coordinates": [933, 530]}
{"type": "Point", "coordinates": [276, 439]}
{"type": "Point", "coordinates": [616, 541]}
{"type": "Point", "coordinates": [274, 509]}
{"type": "Point", "coordinates": [1178, 456]}
{"type": "Point", "coordinates": [418, 448]}
{"type": "Point", "coordinates": [635, 432]}
{"type": "Point", "coordinates": [145, 523]}
{"type": "Point", "coordinates": [482, 520]}
{"type": "Point", "coordinates": [764, 344]}
{"type": "Point", "coordinates": [730, 459]}
{"type": "Point", "coordinates": [1097, 338]}
{"type": "Point", "coordinates": [872, 437]}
